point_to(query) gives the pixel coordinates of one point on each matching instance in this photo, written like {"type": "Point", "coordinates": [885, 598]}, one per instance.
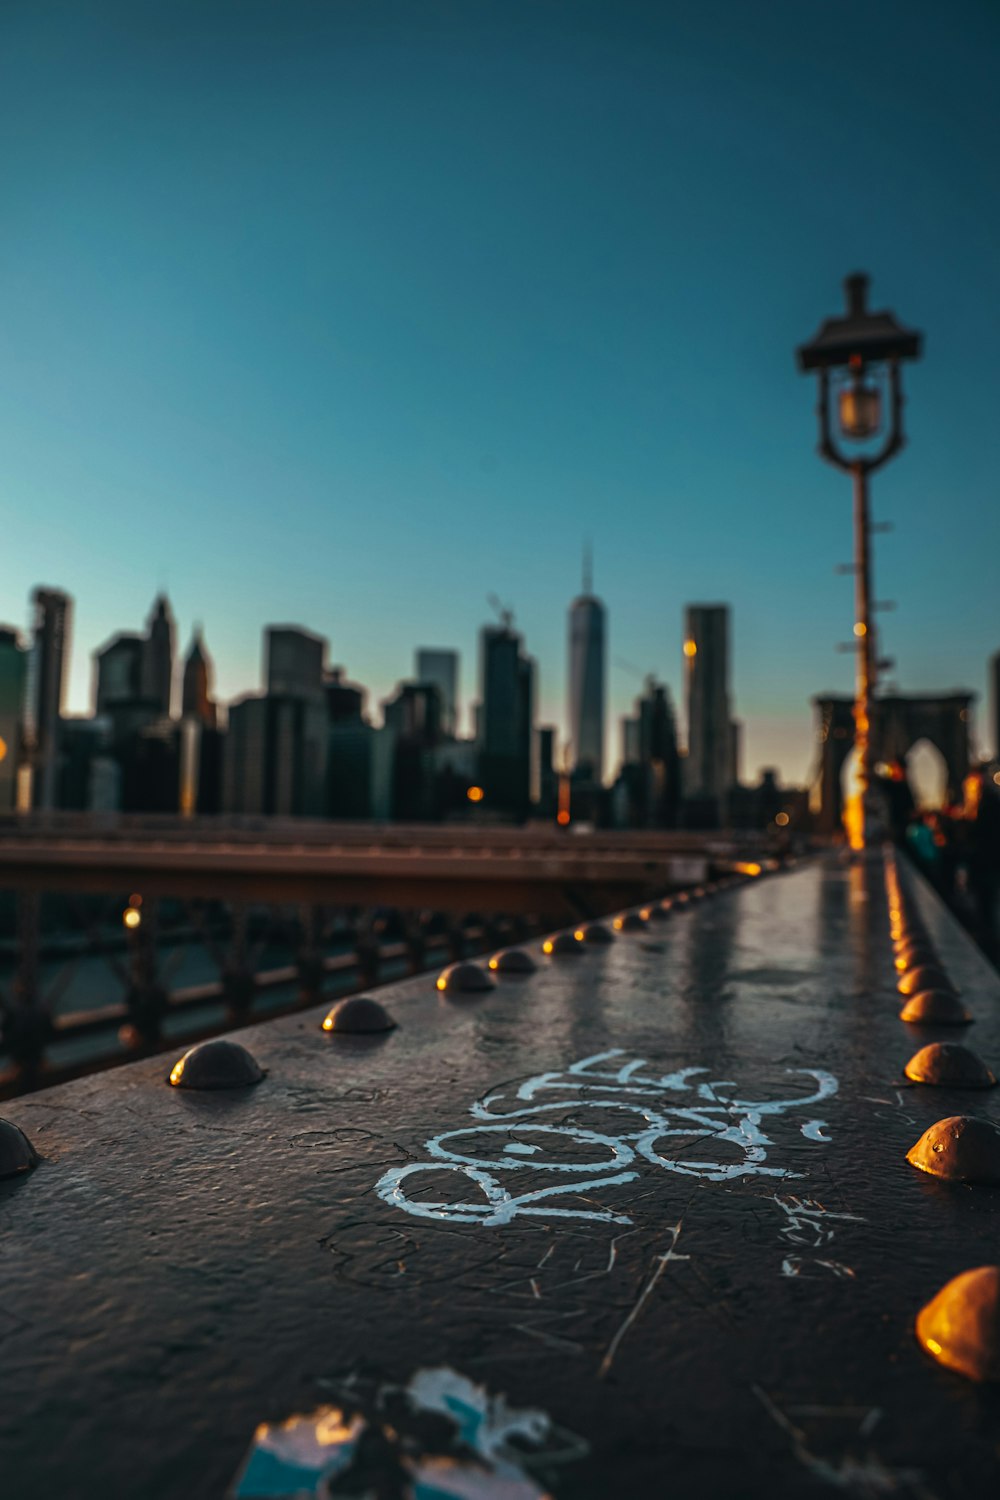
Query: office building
{"type": "Point", "coordinates": [587, 648]}
{"type": "Point", "coordinates": [708, 769]}
{"type": "Point", "coordinates": [440, 667]}
{"type": "Point", "coordinates": [118, 671]}
{"type": "Point", "coordinates": [293, 662]}
{"type": "Point", "coordinates": [50, 639]}
{"type": "Point", "coordinates": [196, 688]}
{"type": "Point", "coordinates": [13, 675]}
{"type": "Point", "coordinates": [158, 657]}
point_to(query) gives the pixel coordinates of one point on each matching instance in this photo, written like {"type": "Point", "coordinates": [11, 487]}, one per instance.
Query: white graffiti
{"type": "Point", "coordinates": [669, 1113]}
{"type": "Point", "coordinates": [808, 1223]}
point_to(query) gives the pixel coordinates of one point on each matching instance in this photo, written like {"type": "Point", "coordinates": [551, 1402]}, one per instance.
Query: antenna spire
{"type": "Point", "coordinates": [588, 569]}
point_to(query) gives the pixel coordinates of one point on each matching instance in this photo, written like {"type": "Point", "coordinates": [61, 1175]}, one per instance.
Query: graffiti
{"type": "Point", "coordinates": [659, 1120]}
{"type": "Point", "coordinates": [808, 1223]}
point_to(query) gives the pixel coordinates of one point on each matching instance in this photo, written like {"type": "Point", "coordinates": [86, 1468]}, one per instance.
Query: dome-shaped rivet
{"type": "Point", "coordinates": [960, 1148]}
{"type": "Point", "coordinates": [358, 1015]}
{"type": "Point", "coordinates": [563, 945]}
{"type": "Point", "coordinates": [935, 1008]}
{"type": "Point", "coordinates": [216, 1065]}
{"type": "Point", "coordinates": [596, 932]}
{"type": "Point", "coordinates": [630, 921]}
{"type": "Point", "coordinates": [960, 1327]}
{"type": "Point", "coordinates": [513, 961]}
{"type": "Point", "coordinates": [464, 979]}
{"type": "Point", "coordinates": [17, 1154]}
{"type": "Point", "coordinates": [949, 1065]}
{"type": "Point", "coordinates": [924, 977]}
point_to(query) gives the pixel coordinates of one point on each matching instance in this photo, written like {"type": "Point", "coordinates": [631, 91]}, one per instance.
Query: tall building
{"type": "Point", "coordinates": [50, 638]}
{"type": "Point", "coordinates": [274, 760]}
{"type": "Point", "coordinates": [293, 662]}
{"type": "Point", "coordinates": [506, 718]}
{"type": "Point", "coordinates": [196, 690]}
{"type": "Point", "coordinates": [995, 687]}
{"type": "Point", "coordinates": [587, 650]}
{"type": "Point", "coordinates": [118, 671]}
{"type": "Point", "coordinates": [441, 668]}
{"type": "Point", "coordinates": [708, 768]}
{"type": "Point", "coordinates": [158, 657]}
{"type": "Point", "coordinates": [13, 672]}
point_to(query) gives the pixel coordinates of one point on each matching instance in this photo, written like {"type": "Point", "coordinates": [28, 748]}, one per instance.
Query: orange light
{"type": "Point", "coordinates": [578, 934]}
{"type": "Point", "coordinates": [442, 983]}
{"type": "Point", "coordinates": [617, 924]}
{"type": "Point", "coordinates": [177, 1072]}
{"type": "Point", "coordinates": [3, 748]}
{"type": "Point", "coordinates": [750, 869]}
{"type": "Point", "coordinates": [493, 963]}
{"type": "Point", "coordinates": [327, 1023]}
{"type": "Point", "coordinates": [562, 817]}
{"type": "Point", "coordinates": [644, 914]}
{"type": "Point", "coordinates": [475, 794]}
{"type": "Point", "coordinates": [547, 946]}
{"type": "Point", "coordinates": [132, 917]}
{"type": "Point", "coordinates": [934, 1346]}
{"type": "Point", "coordinates": [861, 628]}
{"type": "Point", "coordinates": [690, 648]}
{"type": "Point", "coordinates": [782, 820]}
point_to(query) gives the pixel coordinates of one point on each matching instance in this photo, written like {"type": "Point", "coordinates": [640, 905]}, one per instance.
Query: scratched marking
{"type": "Point", "coordinates": [808, 1224]}
{"type": "Point", "coordinates": [668, 1112]}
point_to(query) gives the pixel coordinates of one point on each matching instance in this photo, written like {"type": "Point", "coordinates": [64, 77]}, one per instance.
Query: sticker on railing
{"type": "Point", "coordinates": [666, 1113]}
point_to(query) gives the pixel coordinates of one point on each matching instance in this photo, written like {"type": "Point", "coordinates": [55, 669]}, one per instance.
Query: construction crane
{"type": "Point", "coordinates": [503, 612]}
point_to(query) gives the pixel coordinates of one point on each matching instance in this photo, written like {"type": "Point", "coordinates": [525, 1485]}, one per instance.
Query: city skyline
{"type": "Point", "coordinates": [303, 319]}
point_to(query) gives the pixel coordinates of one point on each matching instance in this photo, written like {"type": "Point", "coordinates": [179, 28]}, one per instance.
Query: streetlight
{"type": "Point", "coordinates": [857, 359]}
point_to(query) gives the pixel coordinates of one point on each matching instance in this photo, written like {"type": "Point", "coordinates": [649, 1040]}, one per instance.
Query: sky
{"type": "Point", "coordinates": [353, 313]}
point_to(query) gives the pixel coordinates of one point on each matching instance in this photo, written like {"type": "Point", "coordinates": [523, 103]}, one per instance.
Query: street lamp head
{"type": "Point", "coordinates": [860, 335]}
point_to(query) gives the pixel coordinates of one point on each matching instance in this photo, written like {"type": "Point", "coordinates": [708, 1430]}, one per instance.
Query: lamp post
{"type": "Point", "coordinates": [857, 358]}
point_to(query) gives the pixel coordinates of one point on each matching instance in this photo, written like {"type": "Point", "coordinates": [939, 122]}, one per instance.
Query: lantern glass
{"type": "Point", "coordinates": [860, 410]}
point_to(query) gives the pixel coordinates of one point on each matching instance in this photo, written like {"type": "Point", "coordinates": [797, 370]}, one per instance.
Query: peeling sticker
{"type": "Point", "coordinates": [299, 1457]}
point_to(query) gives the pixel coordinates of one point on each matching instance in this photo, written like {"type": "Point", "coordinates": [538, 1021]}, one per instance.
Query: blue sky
{"type": "Point", "coordinates": [352, 313]}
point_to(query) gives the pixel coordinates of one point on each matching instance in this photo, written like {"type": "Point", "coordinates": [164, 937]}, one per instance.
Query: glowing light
{"type": "Point", "coordinates": [690, 648]}
{"type": "Point", "coordinates": [327, 1023]}
{"type": "Point", "coordinates": [177, 1072]}
{"type": "Point", "coordinates": [578, 934]}
{"type": "Point", "coordinates": [442, 983]}
{"type": "Point", "coordinates": [562, 817]}
{"type": "Point", "coordinates": [996, 778]}
{"type": "Point", "coordinates": [617, 924]}
{"type": "Point", "coordinates": [861, 628]}
{"type": "Point", "coordinates": [475, 794]}
{"type": "Point", "coordinates": [781, 819]}
{"type": "Point", "coordinates": [3, 748]}
{"type": "Point", "coordinates": [934, 1346]}
{"type": "Point", "coordinates": [131, 917]}
{"type": "Point", "coordinates": [751, 869]}
{"type": "Point", "coordinates": [645, 913]}
{"type": "Point", "coordinates": [493, 963]}
{"type": "Point", "coordinates": [547, 946]}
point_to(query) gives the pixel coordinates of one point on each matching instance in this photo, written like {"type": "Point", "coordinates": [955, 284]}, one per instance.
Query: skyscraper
{"type": "Point", "coordinates": [158, 657]}
{"type": "Point", "coordinates": [507, 679]}
{"type": "Point", "coordinates": [995, 687]}
{"type": "Point", "coordinates": [708, 769]}
{"type": "Point", "coordinates": [118, 671]}
{"type": "Point", "coordinates": [293, 662]}
{"type": "Point", "coordinates": [196, 690]}
{"type": "Point", "coordinates": [13, 670]}
{"type": "Point", "coordinates": [46, 682]}
{"type": "Point", "coordinates": [586, 680]}
{"type": "Point", "coordinates": [441, 668]}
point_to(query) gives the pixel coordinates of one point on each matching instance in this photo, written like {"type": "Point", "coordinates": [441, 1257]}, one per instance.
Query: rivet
{"type": "Point", "coordinates": [358, 1015]}
{"type": "Point", "coordinates": [916, 956]}
{"type": "Point", "coordinates": [935, 1008]}
{"type": "Point", "coordinates": [513, 961]}
{"type": "Point", "coordinates": [959, 1148]}
{"type": "Point", "coordinates": [924, 977]}
{"type": "Point", "coordinates": [630, 921]}
{"type": "Point", "coordinates": [960, 1327]}
{"type": "Point", "coordinates": [215, 1065]}
{"type": "Point", "coordinates": [563, 945]}
{"type": "Point", "coordinates": [17, 1154]}
{"type": "Point", "coordinates": [596, 932]}
{"type": "Point", "coordinates": [682, 898]}
{"type": "Point", "coordinates": [659, 912]}
{"type": "Point", "coordinates": [949, 1065]}
{"type": "Point", "coordinates": [464, 979]}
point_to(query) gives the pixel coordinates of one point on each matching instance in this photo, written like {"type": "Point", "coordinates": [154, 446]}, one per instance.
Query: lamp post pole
{"type": "Point", "coordinates": [855, 345]}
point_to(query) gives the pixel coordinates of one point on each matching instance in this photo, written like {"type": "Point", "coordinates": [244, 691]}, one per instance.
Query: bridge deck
{"type": "Point", "coordinates": [697, 1314]}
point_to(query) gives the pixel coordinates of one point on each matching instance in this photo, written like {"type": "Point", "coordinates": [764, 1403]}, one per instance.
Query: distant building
{"type": "Point", "coordinates": [118, 671]}
{"type": "Point", "coordinates": [414, 717]}
{"type": "Point", "coordinates": [244, 760]}
{"type": "Point", "coordinates": [708, 768]}
{"type": "Point", "coordinates": [196, 688]}
{"type": "Point", "coordinates": [440, 667]}
{"type": "Point", "coordinates": [274, 757]}
{"type": "Point", "coordinates": [506, 718]}
{"type": "Point", "coordinates": [995, 693]}
{"type": "Point", "coordinates": [649, 788]}
{"type": "Point", "coordinates": [293, 662]}
{"type": "Point", "coordinates": [13, 675]}
{"type": "Point", "coordinates": [50, 638]}
{"type": "Point", "coordinates": [545, 791]}
{"type": "Point", "coordinates": [586, 682]}
{"type": "Point", "coordinates": [158, 657]}
{"type": "Point", "coordinates": [345, 701]}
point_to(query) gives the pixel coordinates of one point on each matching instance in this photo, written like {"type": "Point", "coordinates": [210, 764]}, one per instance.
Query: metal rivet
{"type": "Point", "coordinates": [960, 1148]}
{"type": "Point", "coordinates": [924, 977]}
{"type": "Point", "coordinates": [513, 961]}
{"type": "Point", "coordinates": [960, 1327]}
{"type": "Point", "coordinates": [17, 1154]}
{"type": "Point", "coordinates": [596, 932]}
{"type": "Point", "coordinates": [464, 979]}
{"type": "Point", "coordinates": [949, 1065]}
{"type": "Point", "coordinates": [631, 921]}
{"type": "Point", "coordinates": [935, 1008]}
{"type": "Point", "coordinates": [216, 1065]}
{"type": "Point", "coordinates": [358, 1015]}
{"type": "Point", "coordinates": [563, 945]}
